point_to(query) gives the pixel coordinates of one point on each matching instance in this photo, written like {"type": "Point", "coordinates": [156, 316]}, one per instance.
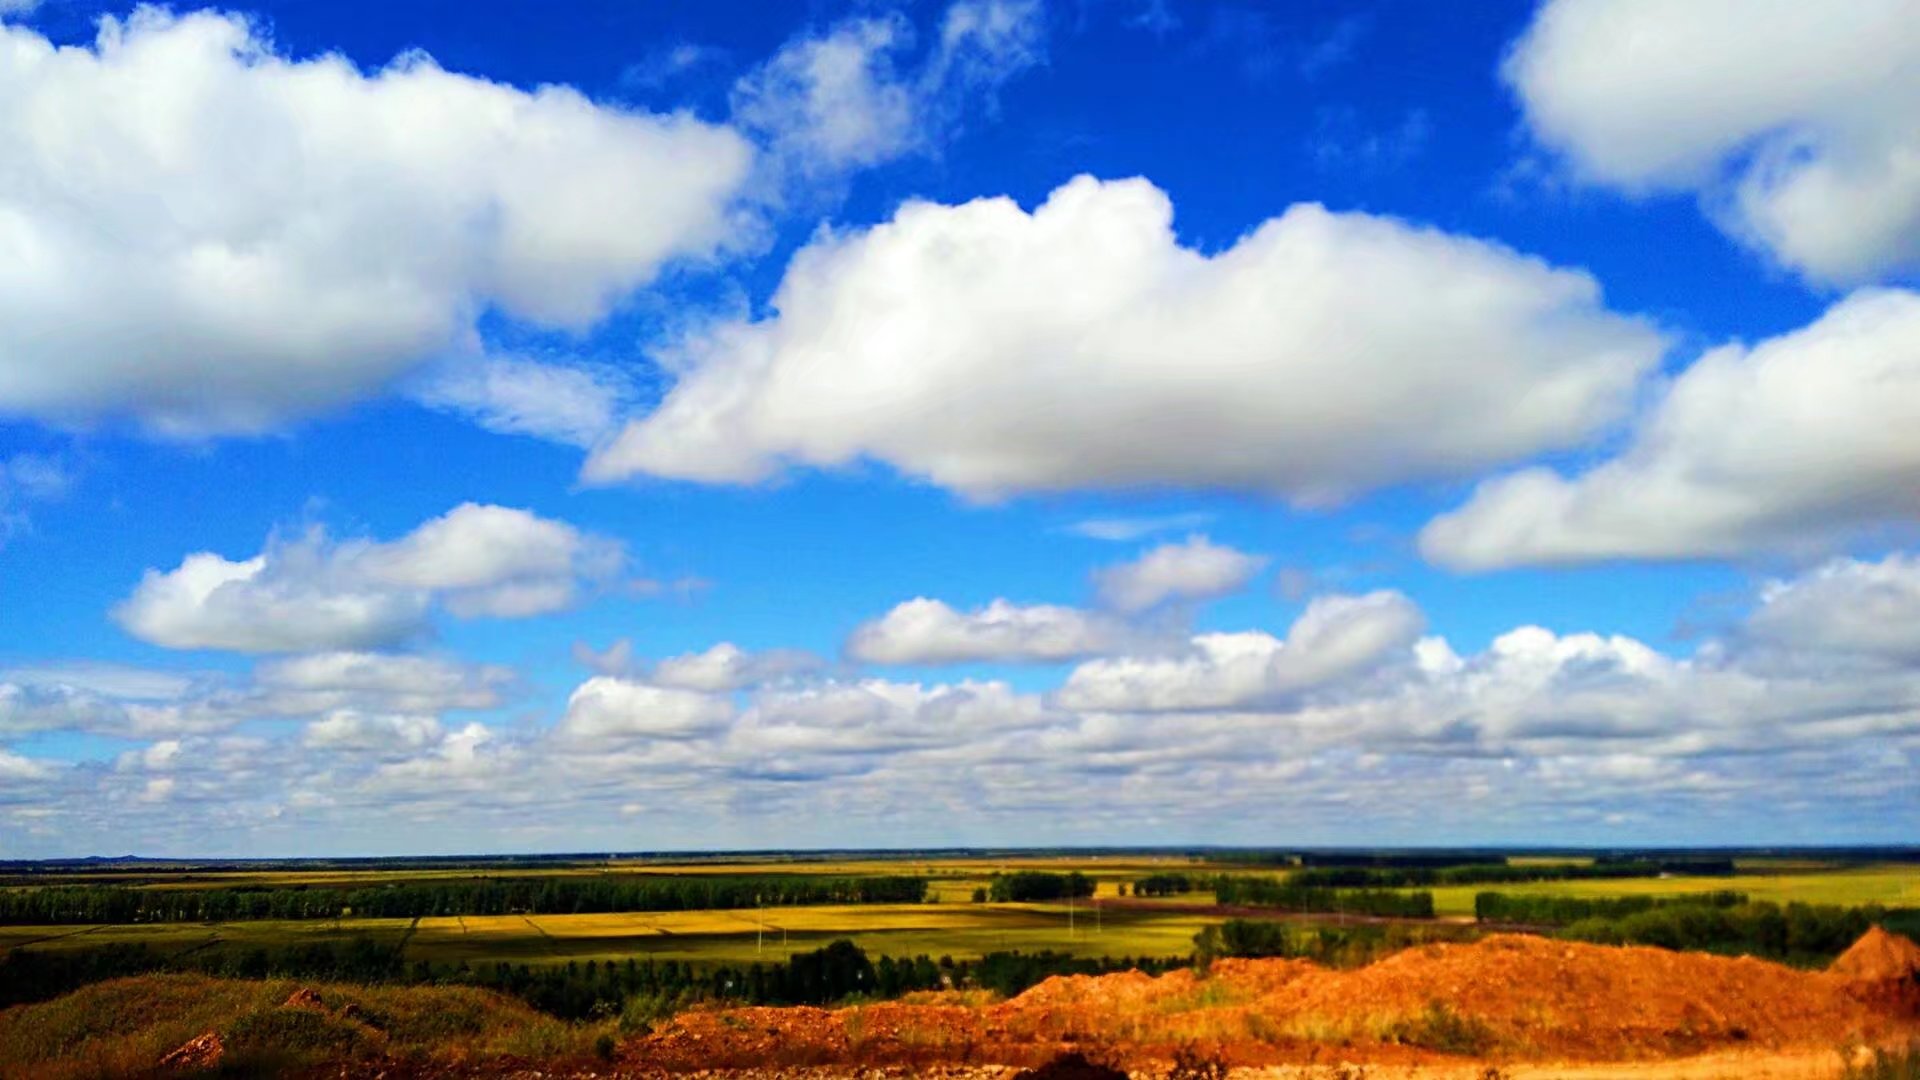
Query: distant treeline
{"type": "Point", "coordinates": [1284, 857]}
{"type": "Point", "coordinates": [1806, 934]}
{"type": "Point", "coordinates": [1563, 910]}
{"type": "Point", "coordinates": [1803, 934]}
{"type": "Point", "coordinates": [1166, 885]}
{"type": "Point", "coordinates": [1036, 886]}
{"type": "Point", "coordinates": [1335, 946]}
{"type": "Point", "coordinates": [641, 988]}
{"type": "Point", "coordinates": [1353, 877]}
{"type": "Point", "coordinates": [478, 896]}
{"type": "Point", "coordinates": [1285, 896]}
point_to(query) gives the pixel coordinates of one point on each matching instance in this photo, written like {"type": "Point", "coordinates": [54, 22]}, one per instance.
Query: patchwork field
{"type": "Point", "coordinates": [952, 926]}
{"type": "Point", "coordinates": [1892, 885]}
{"type": "Point", "coordinates": [963, 931]}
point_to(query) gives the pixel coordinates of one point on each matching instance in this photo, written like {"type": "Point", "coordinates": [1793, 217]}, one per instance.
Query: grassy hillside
{"type": "Point", "coordinates": [124, 1027]}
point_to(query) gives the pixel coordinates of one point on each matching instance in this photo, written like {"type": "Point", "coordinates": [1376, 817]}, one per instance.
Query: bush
{"type": "Point", "coordinates": [1440, 1028]}
{"type": "Point", "coordinates": [301, 1033]}
{"type": "Point", "coordinates": [1888, 1065]}
{"type": "Point", "coordinates": [1285, 896]}
{"type": "Point", "coordinates": [1565, 910]}
{"type": "Point", "coordinates": [1034, 885]}
{"type": "Point", "coordinates": [1805, 934]}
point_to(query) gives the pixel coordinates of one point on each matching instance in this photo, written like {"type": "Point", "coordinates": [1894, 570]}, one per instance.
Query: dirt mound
{"type": "Point", "coordinates": [304, 998]}
{"type": "Point", "coordinates": [1511, 997]}
{"type": "Point", "coordinates": [202, 1052]}
{"type": "Point", "coordinates": [1521, 993]}
{"type": "Point", "coordinates": [1071, 1066]}
{"type": "Point", "coordinates": [1879, 956]}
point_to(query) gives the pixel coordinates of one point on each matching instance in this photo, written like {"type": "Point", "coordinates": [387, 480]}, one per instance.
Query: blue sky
{"type": "Point", "coordinates": [450, 428]}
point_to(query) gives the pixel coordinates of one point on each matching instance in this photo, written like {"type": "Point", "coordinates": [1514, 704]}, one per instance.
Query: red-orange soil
{"type": "Point", "coordinates": [1510, 998]}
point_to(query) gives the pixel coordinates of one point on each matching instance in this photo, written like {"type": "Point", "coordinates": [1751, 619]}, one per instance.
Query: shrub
{"type": "Point", "coordinates": [296, 1032]}
{"type": "Point", "coordinates": [1442, 1029]}
{"type": "Point", "coordinates": [1886, 1064]}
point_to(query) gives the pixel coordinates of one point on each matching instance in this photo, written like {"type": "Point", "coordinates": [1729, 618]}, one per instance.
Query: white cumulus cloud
{"type": "Point", "coordinates": [357, 731]}
{"type": "Point", "coordinates": [1336, 638]}
{"type": "Point", "coordinates": [1849, 609]}
{"type": "Point", "coordinates": [1196, 569]}
{"type": "Point", "coordinates": [1797, 124]}
{"type": "Point", "coordinates": [727, 666]}
{"type": "Point", "coordinates": [605, 708]}
{"type": "Point", "coordinates": [311, 594]}
{"type": "Point", "coordinates": [925, 631]}
{"type": "Point", "coordinates": [205, 235]}
{"type": "Point", "coordinates": [1802, 439]}
{"type": "Point", "coordinates": [994, 351]}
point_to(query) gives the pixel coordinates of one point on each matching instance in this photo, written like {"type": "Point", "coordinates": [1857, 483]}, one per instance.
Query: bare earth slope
{"type": "Point", "coordinates": [1508, 998]}
{"type": "Point", "coordinates": [1535, 1007]}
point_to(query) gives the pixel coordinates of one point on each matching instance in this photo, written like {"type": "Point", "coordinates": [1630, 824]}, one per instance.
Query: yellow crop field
{"type": "Point", "coordinates": [961, 931]}
{"type": "Point", "coordinates": [1891, 884]}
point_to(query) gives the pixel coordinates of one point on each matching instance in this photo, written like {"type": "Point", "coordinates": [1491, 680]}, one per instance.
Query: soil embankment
{"type": "Point", "coordinates": [1510, 999]}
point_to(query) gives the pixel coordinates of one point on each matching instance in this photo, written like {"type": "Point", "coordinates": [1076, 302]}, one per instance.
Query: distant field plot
{"type": "Point", "coordinates": [1893, 885]}
{"type": "Point", "coordinates": [953, 926]}
{"type": "Point", "coordinates": [961, 931]}
{"type": "Point", "coordinates": [180, 939]}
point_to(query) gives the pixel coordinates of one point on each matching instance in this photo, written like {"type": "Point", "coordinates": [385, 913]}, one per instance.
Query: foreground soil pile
{"type": "Point", "coordinates": [1878, 957]}
{"type": "Point", "coordinates": [1509, 997]}
{"type": "Point", "coordinates": [1438, 1012]}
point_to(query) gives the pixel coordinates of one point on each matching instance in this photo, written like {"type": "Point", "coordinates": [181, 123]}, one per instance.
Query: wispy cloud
{"type": "Point", "coordinates": [1125, 529]}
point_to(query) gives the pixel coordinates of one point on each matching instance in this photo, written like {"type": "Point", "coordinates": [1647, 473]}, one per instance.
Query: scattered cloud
{"type": "Point", "coordinates": [240, 237]}
{"type": "Point", "coordinates": [311, 593]}
{"type": "Point", "coordinates": [408, 683]}
{"type": "Point", "coordinates": [1797, 125]}
{"type": "Point", "coordinates": [26, 479]}
{"type": "Point", "coordinates": [1842, 614]}
{"type": "Point", "coordinates": [666, 64]}
{"type": "Point", "coordinates": [1336, 638]}
{"type": "Point", "coordinates": [923, 631]}
{"type": "Point", "coordinates": [348, 730]}
{"type": "Point", "coordinates": [1321, 356]}
{"type": "Point", "coordinates": [1263, 47]}
{"type": "Point", "coordinates": [1156, 17]}
{"type": "Point", "coordinates": [1351, 708]}
{"type": "Point", "coordinates": [726, 666]}
{"type": "Point", "coordinates": [1342, 143]}
{"type": "Point", "coordinates": [1809, 463]}
{"type": "Point", "coordinates": [1128, 529]}
{"type": "Point", "coordinates": [136, 703]}
{"type": "Point", "coordinates": [605, 708]}
{"type": "Point", "coordinates": [721, 668]}
{"type": "Point", "coordinates": [829, 103]}
{"type": "Point", "coordinates": [1195, 569]}
{"type": "Point", "coordinates": [570, 404]}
